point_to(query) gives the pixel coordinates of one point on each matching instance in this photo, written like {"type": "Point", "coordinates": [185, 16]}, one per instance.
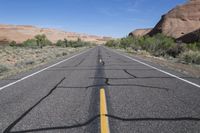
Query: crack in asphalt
{"type": "Point", "coordinates": [129, 73]}
{"type": "Point", "coordinates": [109, 84]}
{"type": "Point", "coordinates": [89, 121]}
{"type": "Point", "coordinates": [131, 78]}
{"type": "Point", "coordinates": [61, 127]}
{"type": "Point", "coordinates": [76, 65]}
{"type": "Point", "coordinates": [117, 85]}
{"type": "Point", "coordinates": [79, 62]}
{"type": "Point", "coordinates": [154, 119]}
{"type": "Point", "coordinates": [9, 128]}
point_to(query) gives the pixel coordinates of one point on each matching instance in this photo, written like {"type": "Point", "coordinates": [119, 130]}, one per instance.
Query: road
{"type": "Point", "coordinates": [100, 90]}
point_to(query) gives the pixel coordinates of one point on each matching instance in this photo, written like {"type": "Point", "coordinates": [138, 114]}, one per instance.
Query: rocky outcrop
{"type": "Point", "coordinates": [180, 21]}
{"type": "Point", "coordinates": [140, 32]}
{"type": "Point", "coordinates": [190, 37]}
{"type": "Point", "coordinates": [20, 33]}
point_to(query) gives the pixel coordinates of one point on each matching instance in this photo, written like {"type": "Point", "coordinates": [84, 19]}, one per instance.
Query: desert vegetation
{"type": "Point", "coordinates": [34, 52]}
{"type": "Point", "coordinates": [40, 41]}
{"type": "Point", "coordinates": [159, 45]}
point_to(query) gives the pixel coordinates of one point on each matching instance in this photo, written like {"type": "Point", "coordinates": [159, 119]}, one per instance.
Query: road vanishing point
{"type": "Point", "coordinates": [100, 91]}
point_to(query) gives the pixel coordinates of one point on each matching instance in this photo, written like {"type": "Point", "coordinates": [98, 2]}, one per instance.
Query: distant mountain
{"type": "Point", "coordinates": [140, 32]}
{"type": "Point", "coordinates": [180, 21]}
{"type": "Point", "coordinates": [20, 33]}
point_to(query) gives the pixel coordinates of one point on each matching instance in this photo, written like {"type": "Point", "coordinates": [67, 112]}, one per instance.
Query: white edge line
{"type": "Point", "coordinates": [184, 80]}
{"type": "Point", "coordinates": [10, 84]}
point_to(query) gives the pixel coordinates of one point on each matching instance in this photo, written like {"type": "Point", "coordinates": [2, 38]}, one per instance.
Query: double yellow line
{"type": "Point", "coordinates": [103, 112]}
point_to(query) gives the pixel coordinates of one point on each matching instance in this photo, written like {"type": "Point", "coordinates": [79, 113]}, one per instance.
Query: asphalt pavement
{"type": "Point", "coordinates": [65, 97]}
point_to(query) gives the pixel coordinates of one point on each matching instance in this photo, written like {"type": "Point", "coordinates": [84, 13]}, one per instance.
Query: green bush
{"type": "Point", "coordinates": [78, 44]}
{"type": "Point", "coordinates": [158, 45]}
{"type": "Point", "coordinates": [30, 43]}
{"type": "Point", "coordinates": [110, 43]}
{"type": "Point", "coordinates": [42, 40]}
{"type": "Point", "coordinates": [66, 43]}
{"type": "Point", "coordinates": [191, 57]}
{"type": "Point", "coordinates": [60, 43]}
{"type": "Point", "coordinates": [13, 43]}
{"type": "Point", "coordinates": [176, 50]}
{"type": "Point", "coordinates": [126, 42]}
{"type": "Point", "coordinates": [3, 69]}
{"type": "Point", "coordinates": [74, 44]}
{"type": "Point", "coordinates": [37, 42]}
{"type": "Point", "coordinates": [194, 46]}
{"type": "Point", "coordinates": [113, 43]}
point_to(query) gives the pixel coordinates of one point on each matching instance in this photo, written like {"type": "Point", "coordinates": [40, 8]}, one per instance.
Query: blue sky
{"type": "Point", "coordinates": [114, 18]}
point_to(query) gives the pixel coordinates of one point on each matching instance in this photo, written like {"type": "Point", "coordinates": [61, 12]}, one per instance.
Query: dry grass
{"type": "Point", "coordinates": [18, 59]}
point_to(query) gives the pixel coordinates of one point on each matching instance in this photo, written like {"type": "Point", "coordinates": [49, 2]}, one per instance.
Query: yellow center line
{"type": "Point", "coordinates": [103, 112]}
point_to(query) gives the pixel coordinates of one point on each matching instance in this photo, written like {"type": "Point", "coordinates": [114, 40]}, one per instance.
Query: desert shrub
{"type": "Point", "coordinates": [70, 43]}
{"type": "Point", "coordinates": [194, 46]}
{"type": "Point", "coordinates": [3, 69]}
{"type": "Point", "coordinates": [37, 42]}
{"type": "Point", "coordinates": [60, 43]}
{"type": "Point", "coordinates": [110, 43]}
{"type": "Point", "coordinates": [113, 43]}
{"type": "Point", "coordinates": [42, 40]}
{"type": "Point", "coordinates": [30, 43]}
{"type": "Point", "coordinates": [190, 57]}
{"type": "Point", "coordinates": [176, 50]}
{"type": "Point", "coordinates": [58, 55]}
{"type": "Point", "coordinates": [135, 45]}
{"type": "Point", "coordinates": [164, 41]}
{"type": "Point", "coordinates": [158, 45]}
{"type": "Point", "coordinates": [77, 44]}
{"type": "Point", "coordinates": [66, 43]}
{"type": "Point", "coordinates": [29, 62]}
{"type": "Point", "coordinates": [64, 53]}
{"type": "Point", "coordinates": [126, 42]}
{"type": "Point", "coordinates": [79, 40]}
{"type": "Point", "coordinates": [13, 44]}
{"type": "Point", "coordinates": [148, 43]}
{"type": "Point", "coordinates": [74, 44]}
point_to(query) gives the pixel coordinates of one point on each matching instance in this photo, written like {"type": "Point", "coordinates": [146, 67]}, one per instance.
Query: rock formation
{"type": "Point", "coordinates": [140, 32]}
{"type": "Point", "coordinates": [180, 21]}
{"type": "Point", "coordinates": [190, 37]}
{"type": "Point", "coordinates": [20, 33]}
